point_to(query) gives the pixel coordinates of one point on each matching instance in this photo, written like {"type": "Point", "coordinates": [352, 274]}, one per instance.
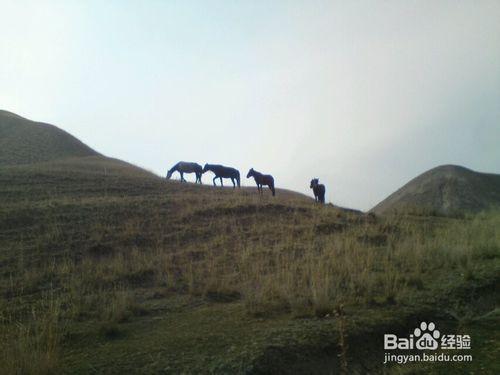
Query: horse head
{"type": "Point", "coordinates": [314, 182]}
{"type": "Point", "coordinates": [205, 168]}
{"type": "Point", "coordinates": [250, 173]}
{"type": "Point", "coordinates": [169, 174]}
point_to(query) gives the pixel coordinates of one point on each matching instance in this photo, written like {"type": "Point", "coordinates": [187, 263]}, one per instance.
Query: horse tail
{"type": "Point", "coordinates": [238, 178]}
{"type": "Point", "coordinates": [271, 186]}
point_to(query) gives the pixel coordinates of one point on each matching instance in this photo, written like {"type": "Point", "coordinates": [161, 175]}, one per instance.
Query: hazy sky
{"type": "Point", "coordinates": [364, 95]}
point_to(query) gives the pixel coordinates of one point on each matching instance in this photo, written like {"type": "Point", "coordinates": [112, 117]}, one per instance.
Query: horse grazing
{"type": "Point", "coordinates": [262, 179]}
{"type": "Point", "coordinates": [223, 172]}
{"type": "Point", "coordinates": [318, 189]}
{"type": "Point", "coordinates": [185, 167]}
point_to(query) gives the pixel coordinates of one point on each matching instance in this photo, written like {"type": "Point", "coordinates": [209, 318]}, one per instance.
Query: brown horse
{"type": "Point", "coordinates": [262, 179]}
{"type": "Point", "coordinates": [223, 172]}
{"type": "Point", "coordinates": [318, 189]}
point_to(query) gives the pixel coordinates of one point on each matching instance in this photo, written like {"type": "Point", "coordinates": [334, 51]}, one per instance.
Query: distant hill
{"type": "Point", "coordinates": [24, 142]}
{"type": "Point", "coordinates": [447, 189]}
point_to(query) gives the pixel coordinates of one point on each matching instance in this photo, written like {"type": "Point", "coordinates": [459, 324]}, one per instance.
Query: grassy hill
{"type": "Point", "coordinates": [106, 268]}
{"type": "Point", "coordinates": [23, 141]}
{"type": "Point", "coordinates": [448, 189]}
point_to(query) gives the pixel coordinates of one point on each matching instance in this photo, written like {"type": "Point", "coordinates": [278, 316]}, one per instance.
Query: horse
{"type": "Point", "coordinates": [186, 167]}
{"type": "Point", "coordinates": [262, 179]}
{"type": "Point", "coordinates": [221, 172]}
{"type": "Point", "coordinates": [318, 189]}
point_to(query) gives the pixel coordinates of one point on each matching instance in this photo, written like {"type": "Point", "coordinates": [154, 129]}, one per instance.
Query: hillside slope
{"type": "Point", "coordinates": [23, 141]}
{"type": "Point", "coordinates": [446, 189]}
{"type": "Point", "coordinates": [106, 268]}
{"type": "Point", "coordinates": [133, 273]}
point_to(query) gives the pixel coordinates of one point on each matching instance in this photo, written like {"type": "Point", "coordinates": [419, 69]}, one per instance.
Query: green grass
{"type": "Point", "coordinates": [107, 268]}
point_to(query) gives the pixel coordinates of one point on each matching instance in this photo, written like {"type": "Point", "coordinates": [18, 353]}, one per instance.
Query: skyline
{"type": "Point", "coordinates": [364, 96]}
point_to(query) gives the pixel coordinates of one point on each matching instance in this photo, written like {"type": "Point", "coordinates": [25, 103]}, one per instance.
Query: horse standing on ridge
{"type": "Point", "coordinates": [185, 167]}
{"type": "Point", "coordinates": [318, 189]}
{"type": "Point", "coordinates": [221, 172]}
{"type": "Point", "coordinates": [262, 179]}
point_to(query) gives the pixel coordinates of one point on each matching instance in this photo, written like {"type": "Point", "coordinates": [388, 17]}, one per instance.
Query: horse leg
{"type": "Point", "coordinates": [214, 180]}
{"type": "Point", "coordinates": [182, 177]}
{"type": "Point", "coordinates": [234, 184]}
{"type": "Point", "coordinates": [221, 182]}
{"type": "Point", "coordinates": [272, 189]}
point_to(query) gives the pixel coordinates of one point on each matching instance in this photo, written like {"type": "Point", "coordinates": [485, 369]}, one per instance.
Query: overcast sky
{"type": "Point", "coordinates": [364, 95]}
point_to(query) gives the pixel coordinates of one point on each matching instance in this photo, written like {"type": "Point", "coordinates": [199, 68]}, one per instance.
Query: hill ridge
{"type": "Point", "coordinates": [445, 189]}
{"type": "Point", "coordinates": [23, 141]}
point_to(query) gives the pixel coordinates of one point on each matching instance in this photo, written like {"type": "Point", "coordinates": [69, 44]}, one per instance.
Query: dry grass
{"type": "Point", "coordinates": [89, 251]}
{"type": "Point", "coordinates": [35, 348]}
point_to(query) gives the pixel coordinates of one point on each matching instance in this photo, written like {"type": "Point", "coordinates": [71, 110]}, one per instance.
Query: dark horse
{"type": "Point", "coordinates": [223, 172]}
{"type": "Point", "coordinates": [185, 167]}
{"type": "Point", "coordinates": [318, 189]}
{"type": "Point", "coordinates": [262, 179]}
